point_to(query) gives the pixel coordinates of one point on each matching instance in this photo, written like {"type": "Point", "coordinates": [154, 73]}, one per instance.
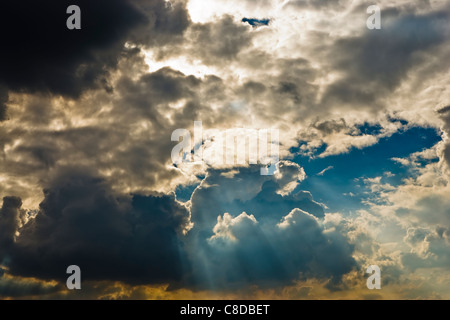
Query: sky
{"type": "Point", "coordinates": [87, 175]}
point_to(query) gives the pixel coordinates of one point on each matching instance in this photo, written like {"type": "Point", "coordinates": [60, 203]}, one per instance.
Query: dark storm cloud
{"type": "Point", "coordinates": [377, 62]}
{"type": "Point", "coordinates": [39, 53]}
{"type": "Point", "coordinates": [42, 54]}
{"type": "Point", "coordinates": [82, 222]}
{"type": "Point", "coordinates": [3, 100]}
{"type": "Point", "coordinates": [11, 218]}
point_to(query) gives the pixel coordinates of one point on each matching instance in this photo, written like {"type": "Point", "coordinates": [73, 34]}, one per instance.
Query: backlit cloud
{"type": "Point", "coordinates": [87, 177]}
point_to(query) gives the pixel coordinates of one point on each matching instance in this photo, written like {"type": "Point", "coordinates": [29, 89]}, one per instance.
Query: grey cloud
{"type": "Point", "coordinates": [444, 110]}
{"type": "Point", "coordinates": [221, 41]}
{"type": "Point", "coordinates": [158, 88]}
{"type": "Point", "coordinates": [23, 288]}
{"type": "Point", "coordinates": [81, 221]}
{"type": "Point", "coordinates": [139, 239]}
{"type": "Point", "coordinates": [123, 133]}
{"type": "Point", "coordinates": [377, 62]}
{"type": "Point", "coordinates": [42, 55]}
{"type": "Point", "coordinates": [331, 126]}
{"type": "Point", "coordinates": [167, 22]}
{"type": "Point", "coordinates": [280, 88]}
{"type": "Point", "coordinates": [109, 142]}
{"type": "Point", "coordinates": [430, 248]}
{"type": "Point", "coordinates": [293, 91]}
{"type": "Point", "coordinates": [430, 210]}
{"type": "Point", "coordinates": [3, 101]}
{"type": "Point", "coordinates": [216, 43]}
{"type": "Point", "coordinates": [444, 113]}
{"type": "Point", "coordinates": [11, 218]}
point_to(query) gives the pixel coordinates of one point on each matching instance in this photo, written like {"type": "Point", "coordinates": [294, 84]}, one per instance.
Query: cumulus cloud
{"type": "Point", "coordinates": [247, 191]}
{"type": "Point", "coordinates": [289, 176]}
{"type": "Point", "coordinates": [81, 221]}
{"type": "Point", "coordinates": [244, 251]}
{"type": "Point", "coordinates": [273, 242]}
{"type": "Point", "coordinates": [429, 248]}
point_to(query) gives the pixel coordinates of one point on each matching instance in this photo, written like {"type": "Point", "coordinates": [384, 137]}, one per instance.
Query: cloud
{"type": "Point", "coordinates": [3, 100]}
{"type": "Point", "coordinates": [220, 41]}
{"type": "Point", "coordinates": [12, 217]}
{"type": "Point", "coordinates": [250, 192]}
{"type": "Point", "coordinates": [289, 176]}
{"type": "Point", "coordinates": [380, 60]}
{"type": "Point", "coordinates": [429, 248]}
{"type": "Point", "coordinates": [321, 173]}
{"type": "Point", "coordinates": [108, 98]}
{"type": "Point", "coordinates": [82, 222]}
{"type": "Point", "coordinates": [129, 143]}
{"type": "Point", "coordinates": [42, 55]}
{"type": "Point", "coordinates": [445, 116]}
{"type": "Point", "coordinates": [273, 242]}
{"type": "Point", "coordinates": [22, 288]}
{"type": "Point", "coordinates": [151, 240]}
{"type": "Point", "coordinates": [244, 251]}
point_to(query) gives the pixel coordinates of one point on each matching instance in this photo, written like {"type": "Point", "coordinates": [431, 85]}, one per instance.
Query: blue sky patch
{"type": "Point", "coordinates": [256, 22]}
{"type": "Point", "coordinates": [341, 187]}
